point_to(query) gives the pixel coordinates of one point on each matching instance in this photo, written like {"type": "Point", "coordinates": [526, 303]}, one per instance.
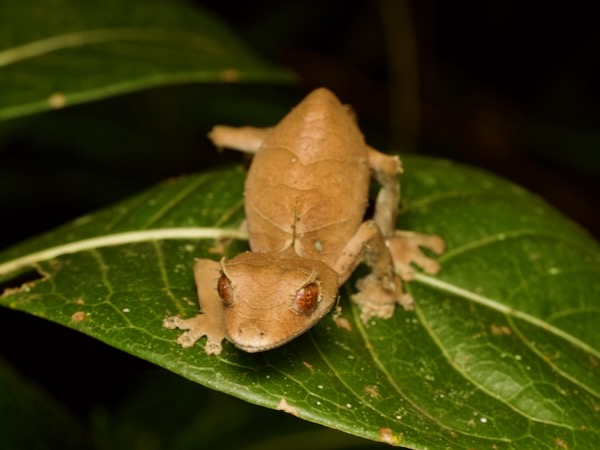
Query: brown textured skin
{"type": "Point", "coordinates": [308, 184]}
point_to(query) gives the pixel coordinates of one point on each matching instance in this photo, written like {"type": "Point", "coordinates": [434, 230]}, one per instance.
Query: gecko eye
{"type": "Point", "coordinates": [307, 299]}
{"type": "Point", "coordinates": [225, 290]}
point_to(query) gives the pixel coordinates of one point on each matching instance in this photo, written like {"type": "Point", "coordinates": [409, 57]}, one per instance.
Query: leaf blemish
{"type": "Point", "coordinates": [57, 100]}
{"type": "Point", "coordinates": [284, 406]}
{"type": "Point", "coordinates": [307, 365]}
{"type": "Point", "coordinates": [501, 330]}
{"type": "Point", "coordinates": [372, 391]}
{"type": "Point", "coordinates": [343, 323]}
{"type": "Point", "coordinates": [230, 75]}
{"type": "Point", "coordinates": [22, 281]}
{"type": "Point", "coordinates": [386, 435]}
{"type": "Point", "coordinates": [78, 316]}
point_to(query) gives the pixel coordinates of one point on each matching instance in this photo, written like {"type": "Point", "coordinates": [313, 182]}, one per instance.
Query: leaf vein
{"type": "Point", "coordinates": [117, 239]}
{"type": "Point", "coordinates": [96, 36]}
{"type": "Point", "coordinates": [507, 310]}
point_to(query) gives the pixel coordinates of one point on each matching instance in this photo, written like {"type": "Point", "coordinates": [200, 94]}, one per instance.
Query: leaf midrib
{"type": "Point", "coordinates": [515, 234]}
{"type": "Point", "coordinates": [75, 39]}
{"type": "Point", "coordinates": [507, 310]}
{"type": "Point", "coordinates": [131, 237]}
{"type": "Point", "coordinates": [116, 239]}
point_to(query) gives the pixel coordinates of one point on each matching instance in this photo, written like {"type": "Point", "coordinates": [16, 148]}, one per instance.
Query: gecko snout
{"type": "Point", "coordinates": [251, 337]}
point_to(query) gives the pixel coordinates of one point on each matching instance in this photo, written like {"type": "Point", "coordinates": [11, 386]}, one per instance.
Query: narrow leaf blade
{"type": "Point", "coordinates": [56, 53]}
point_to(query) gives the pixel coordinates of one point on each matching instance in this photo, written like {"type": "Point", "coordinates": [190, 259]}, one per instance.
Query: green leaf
{"type": "Point", "coordinates": [55, 53]}
{"type": "Point", "coordinates": [502, 350]}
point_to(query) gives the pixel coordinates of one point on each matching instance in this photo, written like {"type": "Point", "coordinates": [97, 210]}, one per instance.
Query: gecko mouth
{"type": "Point", "coordinates": [253, 348]}
{"type": "Point", "coordinates": [253, 340]}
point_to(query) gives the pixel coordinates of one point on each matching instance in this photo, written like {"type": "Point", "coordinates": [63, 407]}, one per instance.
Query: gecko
{"type": "Point", "coordinates": [305, 197]}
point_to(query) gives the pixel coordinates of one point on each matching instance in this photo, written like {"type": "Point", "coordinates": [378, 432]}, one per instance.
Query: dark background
{"type": "Point", "coordinates": [508, 86]}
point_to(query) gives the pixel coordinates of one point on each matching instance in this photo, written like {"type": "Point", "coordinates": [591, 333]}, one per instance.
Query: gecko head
{"type": "Point", "coordinates": [270, 299]}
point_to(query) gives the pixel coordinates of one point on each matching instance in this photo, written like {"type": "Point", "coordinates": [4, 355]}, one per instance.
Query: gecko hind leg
{"type": "Point", "coordinates": [380, 291]}
{"type": "Point", "coordinates": [405, 249]}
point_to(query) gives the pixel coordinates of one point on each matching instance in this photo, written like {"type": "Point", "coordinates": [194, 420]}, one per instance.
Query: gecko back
{"type": "Point", "coordinates": [313, 158]}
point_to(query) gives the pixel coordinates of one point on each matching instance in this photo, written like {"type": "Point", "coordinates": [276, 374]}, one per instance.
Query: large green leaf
{"type": "Point", "coordinates": [55, 53]}
{"type": "Point", "coordinates": [502, 350]}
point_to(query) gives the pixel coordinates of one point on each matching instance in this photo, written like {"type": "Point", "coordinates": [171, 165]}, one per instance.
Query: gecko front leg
{"type": "Point", "coordinates": [380, 291]}
{"type": "Point", "coordinates": [244, 139]}
{"type": "Point", "coordinates": [209, 322]}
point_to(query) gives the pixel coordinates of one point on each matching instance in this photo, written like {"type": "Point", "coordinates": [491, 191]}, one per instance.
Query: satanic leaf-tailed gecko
{"type": "Point", "coordinates": [305, 198]}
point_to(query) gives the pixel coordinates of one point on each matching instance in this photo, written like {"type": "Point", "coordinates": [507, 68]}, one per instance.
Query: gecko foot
{"type": "Point", "coordinates": [404, 248]}
{"type": "Point", "coordinates": [197, 327]}
{"type": "Point", "coordinates": [376, 298]}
